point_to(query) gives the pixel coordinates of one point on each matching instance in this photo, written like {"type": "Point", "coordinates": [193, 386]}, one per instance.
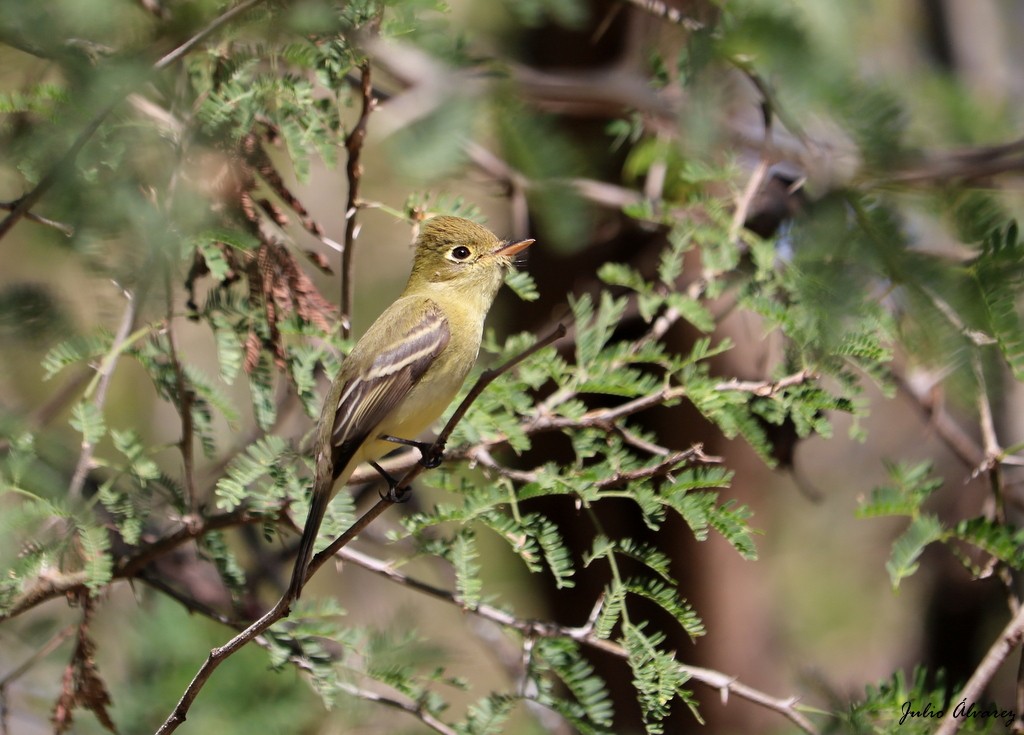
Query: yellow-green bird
{"type": "Point", "coordinates": [410, 363]}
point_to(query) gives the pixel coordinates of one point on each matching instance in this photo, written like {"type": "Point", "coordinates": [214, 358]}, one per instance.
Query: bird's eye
{"type": "Point", "coordinates": [461, 252]}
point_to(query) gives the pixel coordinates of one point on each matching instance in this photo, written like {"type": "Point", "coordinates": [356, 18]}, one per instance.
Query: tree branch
{"type": "Point", "coordinates": [1009, 639]}
{"type": "Point", "coordinates": [354, 170]}
{"type": "Point", "coordinates": [584, 635]}
{"type": "Point", "coordinates": [280, 610]}
{"type": "Point", "coordinates": [106, 372]}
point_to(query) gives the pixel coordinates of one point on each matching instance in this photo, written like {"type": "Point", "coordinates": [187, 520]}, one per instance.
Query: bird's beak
{"type": "Point", "coordinates": [513, 248]}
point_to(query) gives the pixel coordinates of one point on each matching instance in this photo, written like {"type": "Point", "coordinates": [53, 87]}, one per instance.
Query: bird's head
{"type": "Point", "coordinates": [458, 254]}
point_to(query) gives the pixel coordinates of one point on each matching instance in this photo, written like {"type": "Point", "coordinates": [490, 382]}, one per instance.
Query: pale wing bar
{"type": "Point", "coordinates": [367, 399]}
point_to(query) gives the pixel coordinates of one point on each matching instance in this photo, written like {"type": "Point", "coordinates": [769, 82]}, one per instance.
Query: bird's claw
{"type": "Point", "coordinates": [396, 494]}
{"type": "Point", "coordinates": [431, 457]}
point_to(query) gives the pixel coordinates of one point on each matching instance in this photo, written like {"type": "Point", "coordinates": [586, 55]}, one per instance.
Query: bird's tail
{"type": "Point", "coordinates": [310, 532]}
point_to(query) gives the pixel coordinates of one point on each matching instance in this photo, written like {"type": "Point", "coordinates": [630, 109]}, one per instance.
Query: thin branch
{"type": "Point", "coordinates": [435, 453]}
{"type": "Point", "coordinates": [283, 607]}
{"type": "Point", "coordinates": [739, 215]}
{"type": "Point", "coordinates": [584, 635]}
{"type": "Point", "coordinates": [40, 653]}
{"type": "Point", "coordinates": [766, 388]}
{"type": "Point", "coordinates": [53, 585]}
{"type": "Point", "coordinates": [66, 230]}
{"type": "Point", "coordinates": [184, 402]}
{"type": "Point", "coordinates": [602, 418]}
{"type": "Point", "coordinates": [215, 25]}
{"type": "Point", "coordinates": [990, 439]}
{"type": "Point", "coordinates": [354, 170]}
{"type": "Point", "coordinates": [216, 658]}
{"type": "Point", "coordinates": [106, 372]}
{"type": "Point", "coordinates": [24, 204]}
{"type": "Point", "coordinates": [935, 414]}
{"type": "Point", "coordinates": [666, 12]}
{"type": "Point", "coordinates": [194, 606]}
{"type": "Point", "coordinates": [1009, 639]}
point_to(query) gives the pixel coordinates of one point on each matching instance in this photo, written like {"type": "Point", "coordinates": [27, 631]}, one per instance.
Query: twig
{"type": "Point", "coordinates": [52, 586]}
{"type": "Point", "coordinates": [282, 608]}
{"type": "Point", "coordinates": [194, 606]}
{"type": "Point", "coordinates": [66, 230]}
{"type": "Point", "coordinates": [603, 418]}
{"type": "Point", "coordinates": [435, 452]}
{"type": "Point", "coordinates": [739, 215]}
{"type": "Point", "coordinates": [40, 653]}
{"type": "Point", "coordinates": [183, 404]}
{"type": "Point", "coordinates": [25, 203]}
{"type": "Point", "coordinates": [106, 371]}
{"type": "Point", "coordinates": [1009, 639]}
{"type": "Point", "coordinates": [216, 658]}
{"type": "Point", "coordinates": [221, 20]}
{"type": "Point", "coordinates": [958, 440]}
{"type": "Point", "coordinates": [766, 388]}
{"type": "Point", "coordinates": [584, 635]}
{"type": "Point", "coordinates": [666, 12]}
{"type": "Point", "coordinates": [354, 170]}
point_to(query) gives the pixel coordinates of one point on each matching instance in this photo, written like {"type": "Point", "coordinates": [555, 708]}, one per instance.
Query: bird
{"type": "Point", "coordinates": [410, 364]}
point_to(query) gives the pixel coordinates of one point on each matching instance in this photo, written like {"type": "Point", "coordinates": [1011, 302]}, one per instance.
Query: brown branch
{"type": "Point", "coordinates": [40, 653]}
{"type": "Point", "coordinates": [354, 170]}
{"type": "Point", "coordinates": [946, 168]}
{"type": "Point", "coordinates": [218, 655]}
{"type": "Point", "coordinates": [184, 402]}
{"type": "Point", "coordinates": [766, 388]}
{"type": "Point", "coordinates": [664, 11]}
{"type": "Point", "coordinates": [66, 230]}
{"type": "Point", "coordinates": [584, 635]}
{"type": "Point", "coordinates": [216, 658]}
{"type": "Point", "coordinates": [106, 372]}
{"type": "Point", "coordinates": [215, 25]}
{"type": "Point", "coordinates": [601, 418]}
{"type": "Point", "coordinates": [935, 414]}
{"type": "Point", "coordinates": [1009, 639]}
{"type": "Point", "coordinates": [194, 606]}
{"type": "Point", "coordinates": [52, 585]}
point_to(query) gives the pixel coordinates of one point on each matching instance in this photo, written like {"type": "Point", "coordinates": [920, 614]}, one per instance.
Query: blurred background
{"type": "Point", "coordinates": [579, 123]}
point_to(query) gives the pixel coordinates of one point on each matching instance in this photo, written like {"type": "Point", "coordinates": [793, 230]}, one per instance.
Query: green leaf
{"type": "Point", "coordinates": [464, 556]}
{"type": "Point", "coordinates": [87, 419]}
{"type": "Point", "coordinates": [552, 545]}
{"type": "Point", "coordinates": [21, 455]}
{"type": "Point", "coordinates": [130, 445]}
{"type": "Point", "coordinates": [487, 716]}
{"type": "Point", "coordinates": [923, 530]}
{"type": "Point", "coordinates": [522, 284]}
{"type": "Point", "coordinates": [999, 276]}
{"type": "Point", "coordinates": [665, 596]}
{"type": "Point", "coordinates": [692, 311]}
{"type": "Point", "coordinates": [620, 274]}
{"type": "Point", "coordinates": [95, 544]}
{"type": "Point", "coordinates": [76, 349]}
{"type": "Point", "coordinates": [657, 676]}
{"type": "Point", "coordinates": [1005, 543]}
{"type": "Point", "coordinates": [256, 463]}
{"type": "Point", "coordinates": [214, 258]}
{"type": "Point", "coordinates": [911, 485]}
{"type": "Point", "coordinates": [230, 352]}
{"type": "Point", "coordinates": [590, 708]}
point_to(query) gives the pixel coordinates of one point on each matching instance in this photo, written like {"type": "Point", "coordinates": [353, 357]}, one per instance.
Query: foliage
{"type": "Point", "coordinates": [187, 188]}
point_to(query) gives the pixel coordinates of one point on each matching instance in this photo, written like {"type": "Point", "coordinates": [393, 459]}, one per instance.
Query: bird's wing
{"type": "Point", "coordinates": [368, 398]}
